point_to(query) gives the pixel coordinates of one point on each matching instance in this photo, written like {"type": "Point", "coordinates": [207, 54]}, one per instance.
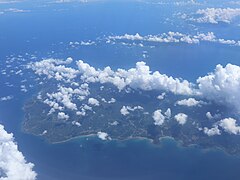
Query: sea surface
{"type": "Point", "coordinates": [46, 32]}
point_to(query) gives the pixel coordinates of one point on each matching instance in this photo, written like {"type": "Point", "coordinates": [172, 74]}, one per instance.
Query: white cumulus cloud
{"type": "Point", "coordinates": [140, 78]}
{"type": "Point", "coordinates": [63, 116]}
{"type": "Point", "coordinates": [168, 113]}
{"type": "Point", "coordinates": [125, 110]}
{"type": "Point", "coordinates": [6, 98]}
{"type": "Point", "coordinates": [158, 117]}
{"type": "Point", "coordinates": [189, 102]}
{"type": "Point", "coordinates": [54, 68]}
{"type": "Point", "coordinates": [103, 136]}
{"type": "Point", "coordinates": [222, 85]}
{"type": "Point", "coordinates": [93, 101]}
{"type": "Point", "coordinates": [230, 126]}
{"type": "Point", "coordinates": [212, 131]}
{"type": "Point", "coordinates": [181, 118]}
{"type": "Point", "coordinates": [175, 37]}
{"type": "Point", "coordinates": [216, 15]}
{"type": "Point", "coordinates": [13, 165]}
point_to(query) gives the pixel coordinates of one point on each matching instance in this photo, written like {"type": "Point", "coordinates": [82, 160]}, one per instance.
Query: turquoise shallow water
{"type": "Point", "coordinates": [43, 30]}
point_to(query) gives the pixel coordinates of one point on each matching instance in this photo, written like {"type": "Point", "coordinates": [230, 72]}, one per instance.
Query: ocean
{"type": "Point", "coordinates": [47, 30]}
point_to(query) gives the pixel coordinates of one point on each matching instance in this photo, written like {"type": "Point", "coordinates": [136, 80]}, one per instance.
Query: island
{"type": "Point", "coordinates": [127, 114]}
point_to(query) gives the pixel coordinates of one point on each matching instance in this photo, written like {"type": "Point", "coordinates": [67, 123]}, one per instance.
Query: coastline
{"type": "Point", "coordinates": [179, 144]}
{"type": "Point", "coordinates": [95, 135]}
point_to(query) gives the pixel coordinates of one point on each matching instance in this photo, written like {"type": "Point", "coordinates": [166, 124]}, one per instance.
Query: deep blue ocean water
{"type": "Point", "coordinates": [50, 27]}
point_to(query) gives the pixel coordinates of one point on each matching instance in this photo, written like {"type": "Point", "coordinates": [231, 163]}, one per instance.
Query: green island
{"type": "Point", "coordinates": [139, 123]}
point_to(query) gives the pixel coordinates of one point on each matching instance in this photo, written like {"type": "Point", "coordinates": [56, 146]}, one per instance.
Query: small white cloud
{"type": "Point", "coordinates": [168, 113]}
{"type": "Point", "coordinates": [87, 43]}
{"type": "Point", "coordinates": [9, 1]}
{"type": "Point", "coordinates": [93, 101]}
{"type": "Point", "coordinates": [44, 132]}
{"type": "Point", "coordinates": [63, 116]}
{"type": "Point", "coordinates": [212, 132]}
{"type": "Point", "coordinates": [76, 123]}
{"type": "Point", "coordinates": [15, 10]}
{"type": "Point", "coordinates": [112, 100]}
{"type": "Point", "coordinates": [115, 123]}
{"type": "Point", "coordinates": [189, 102]}
{"type": "Point", "coordinates": [124, 111]}
{"type": "Point", "coordinates": [81, 113]}
{"type": "Point", "coordinates": [181, 118]}
{"type": "Point", "coordinates": [103, 136]}
{"type": "Point", "coordinates": [23, 88]}
{"type": "Point", "coordinates": [161, 96]}
{"type": "Point", "coordinates": [6, 98]}
{"type": "Point", "coordinates": [209, 115]}
{"type": "Point", "coordinates": [158, 117]}
{"type": "Point", "coordinates": [86, 107]}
